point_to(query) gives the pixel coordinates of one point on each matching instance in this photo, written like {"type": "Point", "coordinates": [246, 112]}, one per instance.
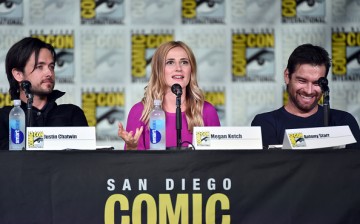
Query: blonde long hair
{"type": "Point", "coordinates": [157, 86]}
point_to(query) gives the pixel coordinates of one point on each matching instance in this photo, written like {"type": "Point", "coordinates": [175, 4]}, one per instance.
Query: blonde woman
{"type": "Point", "coordinates": [173, 62]}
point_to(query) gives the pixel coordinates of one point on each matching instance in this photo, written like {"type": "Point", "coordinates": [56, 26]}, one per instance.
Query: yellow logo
{"type": "Point", "coordinates": [297, 140]}
{"type": "Point", "coordinates": [35, 139]}
{"type": "Point", "coordinates": [203, 138]}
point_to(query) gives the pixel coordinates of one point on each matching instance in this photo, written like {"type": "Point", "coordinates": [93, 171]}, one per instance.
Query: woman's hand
{"type": "Point", "coordinates": [131, 139]}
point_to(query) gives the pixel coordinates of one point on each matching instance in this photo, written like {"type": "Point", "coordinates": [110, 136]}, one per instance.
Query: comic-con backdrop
{"type": "Point", "coordinates": [241, 47]}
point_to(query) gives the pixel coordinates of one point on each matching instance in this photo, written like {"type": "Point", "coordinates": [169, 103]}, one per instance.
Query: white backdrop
{"type": "Point", "coordinates": [241, 47]}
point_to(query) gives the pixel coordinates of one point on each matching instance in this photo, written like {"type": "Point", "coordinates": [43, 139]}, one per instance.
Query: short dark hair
{"type": "Point", "coordinates": [308, 54]}
{"type": "Point", "coordinates": [17, 57]}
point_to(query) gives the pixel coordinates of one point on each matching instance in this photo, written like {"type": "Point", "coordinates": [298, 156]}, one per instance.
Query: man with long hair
{"type": "Point", "coordinates": [33, 60]}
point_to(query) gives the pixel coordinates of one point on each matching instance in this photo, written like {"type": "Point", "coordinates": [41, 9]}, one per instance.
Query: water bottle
{"type": "Point", "coordinates": [17, 127]}
{"type": "Point", "coordinates": [157, 127]}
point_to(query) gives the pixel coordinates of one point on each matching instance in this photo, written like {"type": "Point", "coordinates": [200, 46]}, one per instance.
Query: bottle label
{"type": "Point", "coordinates": [17, 136]}
{"type": "Point", "coordinates": [155, 134]}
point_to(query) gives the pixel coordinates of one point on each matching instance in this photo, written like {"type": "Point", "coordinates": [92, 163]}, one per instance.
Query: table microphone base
{"type": "Point", "coordinates": [178, 148]}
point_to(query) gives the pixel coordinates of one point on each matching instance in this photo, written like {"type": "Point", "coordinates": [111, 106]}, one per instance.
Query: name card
{"type": "Point", "coordinates": [60, 138]}
{"type": "Point", "coordinates": [315, 138]}
{"type": "Point", "coordinates": [227, 138]}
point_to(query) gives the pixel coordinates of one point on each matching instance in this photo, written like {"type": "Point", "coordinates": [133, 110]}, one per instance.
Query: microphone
{"type": "Point", "coordinates": [26, 85]}
{"type": "Point", "coordinates": [176, 89]}
{"type": "Point", "coordinates": [323, 83]}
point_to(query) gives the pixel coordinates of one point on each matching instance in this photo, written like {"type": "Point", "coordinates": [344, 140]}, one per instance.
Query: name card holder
{"type": "Point", "coordinates": [227, 138]}
{"type": "Point", "coordinates": [60, 138]}
{"type": "Point", "coordinates": [316, 138]}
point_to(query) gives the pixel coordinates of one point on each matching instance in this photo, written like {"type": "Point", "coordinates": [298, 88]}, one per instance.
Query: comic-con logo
{"type": "Point", "coordinates": [297, 140]}
{"type": "Point", "coordinates": [345, 55]}
{"type": "Point", "coordinates": [203, 138]}
{"type": "Point", "coordinates": [143, 47]}
{"type": "Point", "coordinates": [11, 12]}
{"type": "Point", "coordinates": [104, 110]}
{"type": "Point", "coordinates": [303, 11]}
{"type": "Point", "coordinates": [35, 139]}
{"type": "Point", "coordinates": [203, 11]}
{"type": "Point", "coordinates": [63, 43]}
{"type": "Point", "coordinates": [102, 12]}
{"type": "Point", "coordinates": [253, 56]}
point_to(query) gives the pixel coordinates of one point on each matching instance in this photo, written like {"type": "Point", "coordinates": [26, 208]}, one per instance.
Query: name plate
{"type": "Point", "coordinates": [60, 138]}
{"type": "Point", "coordinates": [227, 138]}
{"type": "Point", "coordinates": [315, 138]}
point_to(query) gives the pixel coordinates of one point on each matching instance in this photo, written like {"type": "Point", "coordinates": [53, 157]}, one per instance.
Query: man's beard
{"type": "Point", "coordinates": [43, 93]}
{"type": "Point", "coordinates": [301, 107]}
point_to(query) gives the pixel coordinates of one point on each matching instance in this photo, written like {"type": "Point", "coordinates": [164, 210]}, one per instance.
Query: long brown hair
{"type": "Point", "coordinates": [157, 86]}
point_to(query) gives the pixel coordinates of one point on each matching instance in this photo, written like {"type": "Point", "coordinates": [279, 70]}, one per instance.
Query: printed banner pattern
{"type": "Point", "coordinates": [241, 47]}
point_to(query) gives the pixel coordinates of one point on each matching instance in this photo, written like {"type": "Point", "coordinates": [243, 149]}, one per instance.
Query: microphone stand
{"type": "Point", "coordinates": [29, 111]}
{"type": "Point", "coordinates": [178, 120]}
{"type": "Point", "coordinates": [178, 125]}
{"type": "Point", "coordinates": [176, 89]}
{"type": "Point", "coordinates": [323, 83]}
{"type": "Point", "coordinates": [326, 105]}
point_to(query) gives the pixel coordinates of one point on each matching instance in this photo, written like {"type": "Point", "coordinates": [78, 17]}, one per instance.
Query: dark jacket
{"type": "Point", "coordinates": [52, 115]}
{"type": "Point", "coordinates": [273, 124]}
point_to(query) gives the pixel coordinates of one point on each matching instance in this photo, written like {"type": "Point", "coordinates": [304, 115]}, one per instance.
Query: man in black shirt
{"type": "Point", "coordinates": [306, 65]}
{"type": "Point", "coordinates": [34, 60]}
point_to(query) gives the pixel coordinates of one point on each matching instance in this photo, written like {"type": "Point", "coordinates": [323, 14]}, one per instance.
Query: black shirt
{"type": "Point", "coordinates": [52, 115]}
{"type": "Point", "coordinates": [274, 123]}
